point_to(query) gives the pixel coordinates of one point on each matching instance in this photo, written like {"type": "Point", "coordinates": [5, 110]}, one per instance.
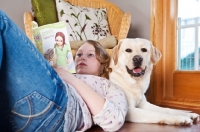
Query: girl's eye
{"type": "Point", "coordinates": [58, 40]}
{"type": "Point", "coordinates": [90, 55]}
{"type": "Point", "coordinates": [79, 54]}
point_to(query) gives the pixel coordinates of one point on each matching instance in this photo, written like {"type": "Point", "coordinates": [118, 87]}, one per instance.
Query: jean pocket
{"type": "Point", "coordinates": [32, 112]}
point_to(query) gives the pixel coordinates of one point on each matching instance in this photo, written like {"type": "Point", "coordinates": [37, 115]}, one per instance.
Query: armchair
{"type": "Point", "coordinates": [118, 21]}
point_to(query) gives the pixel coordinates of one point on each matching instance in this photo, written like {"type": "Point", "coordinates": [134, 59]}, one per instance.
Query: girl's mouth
{"type": "Point", "coordinates": [82, 64]}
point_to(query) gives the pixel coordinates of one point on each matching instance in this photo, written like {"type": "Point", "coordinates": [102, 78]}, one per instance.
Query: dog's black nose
{"type": "Point", "coordinates": [137, 60]}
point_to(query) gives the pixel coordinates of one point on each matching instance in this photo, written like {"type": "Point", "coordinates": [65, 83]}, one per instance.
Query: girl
{"type": "Point", "coordinates": [61, 51]}
{"type": "Point", "coordinates": [35, 97]}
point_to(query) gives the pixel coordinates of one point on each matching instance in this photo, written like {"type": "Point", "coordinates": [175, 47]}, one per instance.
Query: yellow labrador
{"type": "Point", "coordinates": [132, 64]}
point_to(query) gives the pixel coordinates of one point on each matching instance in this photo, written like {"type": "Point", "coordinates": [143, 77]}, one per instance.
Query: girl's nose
{"type": "Point", "coordinates": [83, 57]}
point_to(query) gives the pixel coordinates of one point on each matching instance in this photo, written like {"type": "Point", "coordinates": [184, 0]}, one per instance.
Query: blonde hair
{"type": "Point", "coordinates": [103, 57]}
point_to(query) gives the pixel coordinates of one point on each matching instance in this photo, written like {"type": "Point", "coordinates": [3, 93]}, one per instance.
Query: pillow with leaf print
{"type": "Point", "coordinates": [83, 23]}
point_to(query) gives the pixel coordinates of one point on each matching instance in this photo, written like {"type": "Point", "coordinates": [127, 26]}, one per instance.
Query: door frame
{"type": "Point", "coordinates": [163, 36]}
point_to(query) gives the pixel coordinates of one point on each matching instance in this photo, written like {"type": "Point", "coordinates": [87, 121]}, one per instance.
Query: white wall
{"type": "Point", "coordinates": [15, 10]}
{"type": "Point", "coordinates": [139, 9]}
{"type": "Point", "coordinates": [140, 16]}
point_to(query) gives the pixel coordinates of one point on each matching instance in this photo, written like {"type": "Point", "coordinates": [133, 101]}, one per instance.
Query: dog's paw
{"type": "Point", "coordinates": [184, 121]}
{"type": "Point", "coordinates": [179, 120]}
{"type": "Point", "coordinates": [194, 117]}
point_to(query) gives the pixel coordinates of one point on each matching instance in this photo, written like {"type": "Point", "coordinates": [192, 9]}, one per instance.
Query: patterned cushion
{"type": "Point", "coordinates": [44, 11]}
{"type": "Point", "coordinates": [107, 42]}
{"type": "Point", "coordinates": [83, 23]}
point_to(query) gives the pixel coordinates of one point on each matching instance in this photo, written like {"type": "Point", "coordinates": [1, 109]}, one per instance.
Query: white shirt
{"type": "Point", "coordinates": [112, 116]}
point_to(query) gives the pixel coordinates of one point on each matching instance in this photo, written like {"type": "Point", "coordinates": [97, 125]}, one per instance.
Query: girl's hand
{"type": "Point", "coordinates": [65, 75]}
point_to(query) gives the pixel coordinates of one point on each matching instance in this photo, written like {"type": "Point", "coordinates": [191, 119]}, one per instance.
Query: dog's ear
{"type": "Point", "coordinates": [115, 51]}
{"type": "Point", "coordinates": [155, 54]}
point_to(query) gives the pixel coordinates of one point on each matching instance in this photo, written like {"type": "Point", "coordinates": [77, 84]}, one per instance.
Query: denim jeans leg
{"type": "Point", "coordinates": [31, 93]}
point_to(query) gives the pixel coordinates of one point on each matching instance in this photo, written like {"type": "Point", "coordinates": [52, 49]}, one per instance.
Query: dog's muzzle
{"type": "Point", "coordinates": [137, 71]}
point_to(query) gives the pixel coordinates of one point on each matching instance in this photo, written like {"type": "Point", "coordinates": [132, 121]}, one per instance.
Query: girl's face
{"type": "Point", "coordinates": [59, 41]}
{"type": "Point", "coordinates": [86, 61]}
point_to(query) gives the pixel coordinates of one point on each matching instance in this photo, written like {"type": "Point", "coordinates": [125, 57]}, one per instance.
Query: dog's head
{"type": "Point", "coordinates": [135, 56]}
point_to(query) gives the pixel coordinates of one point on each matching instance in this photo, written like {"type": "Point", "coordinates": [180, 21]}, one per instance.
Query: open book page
{"type": "Point", "coordinates": [52, 41]}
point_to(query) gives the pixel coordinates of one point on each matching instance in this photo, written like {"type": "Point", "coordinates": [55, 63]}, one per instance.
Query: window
{"type": "Point", "coordinates": [188, 35]}
{"type": "Point", "coordinates": [170, 87]}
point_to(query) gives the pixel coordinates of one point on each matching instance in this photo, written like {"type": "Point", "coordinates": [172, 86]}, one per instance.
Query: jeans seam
{"type": "Point", "coordinates": [57, 122]}
{"type": "Point", "coordinates": [36, 115]}
{"type": "Point", "coordinates": [47, 123]}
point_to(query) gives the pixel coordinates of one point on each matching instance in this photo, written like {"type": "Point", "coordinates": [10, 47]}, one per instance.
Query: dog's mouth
{"type": "Point", "coordinates": [136, 71]}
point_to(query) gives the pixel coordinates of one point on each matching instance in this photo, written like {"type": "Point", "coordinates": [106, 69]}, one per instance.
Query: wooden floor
{"type": "Point", "coordinates": [137, 127]}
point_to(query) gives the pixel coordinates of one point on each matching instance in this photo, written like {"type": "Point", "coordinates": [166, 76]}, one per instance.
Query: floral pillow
{"type": "Point", "coordinates": [83, 23]}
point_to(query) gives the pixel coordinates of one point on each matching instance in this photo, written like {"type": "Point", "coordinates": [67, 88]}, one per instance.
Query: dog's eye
{"type": "Point", "coordinates": [144, 50]}
{"type": "Point", "coordinates": [128, 50]}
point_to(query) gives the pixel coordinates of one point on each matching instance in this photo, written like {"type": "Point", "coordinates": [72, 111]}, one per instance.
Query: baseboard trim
{"type": "Point", "coordinates": [190, 105]}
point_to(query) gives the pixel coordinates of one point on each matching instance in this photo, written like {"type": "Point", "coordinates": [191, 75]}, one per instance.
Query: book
{"type": "Point", "coordinates": [52, 41]}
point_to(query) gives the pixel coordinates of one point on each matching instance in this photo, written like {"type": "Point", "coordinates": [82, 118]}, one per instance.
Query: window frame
{"type": "Point", "coordinates": [168, 86]}
{"type": "Point", "coordinates": [196, 26]}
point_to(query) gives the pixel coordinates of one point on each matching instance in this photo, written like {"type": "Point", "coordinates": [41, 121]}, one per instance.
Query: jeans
{"type": "Point", "coordinates": [32, 96]}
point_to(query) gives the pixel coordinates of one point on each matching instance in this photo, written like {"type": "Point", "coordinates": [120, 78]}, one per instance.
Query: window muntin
{"type": "Point", "coordinates": [188, 37]}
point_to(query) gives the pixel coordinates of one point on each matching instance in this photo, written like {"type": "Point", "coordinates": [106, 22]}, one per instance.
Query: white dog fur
{"type": "Point", "coordinates": [140, 110]}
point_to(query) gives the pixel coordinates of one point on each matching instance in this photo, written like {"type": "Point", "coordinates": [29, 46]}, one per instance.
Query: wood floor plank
{"type": "Point", "coordinates": [139, 127]}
